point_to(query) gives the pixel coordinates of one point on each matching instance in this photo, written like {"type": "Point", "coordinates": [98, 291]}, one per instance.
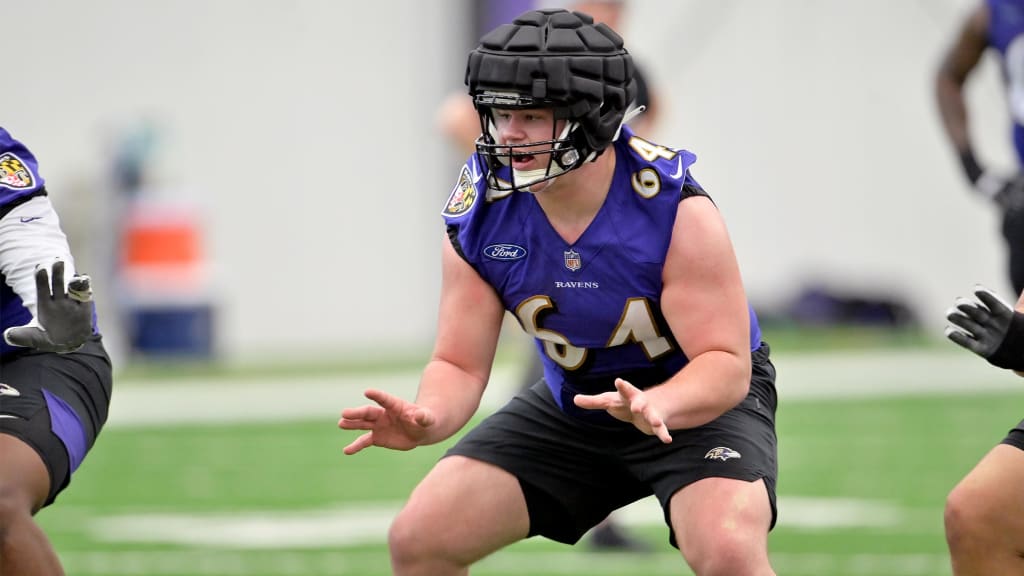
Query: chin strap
{"type": "Point", "coordinates": [554, 169]}
{"type": "Point", "coordinates": [631, 113]}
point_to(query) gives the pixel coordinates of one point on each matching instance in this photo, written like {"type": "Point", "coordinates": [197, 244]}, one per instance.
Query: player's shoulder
{"type": "Point", "coordinates": [469, 188]}
{"type": "Point", "coordinates": [652, 165]}
{"type": "Point", "coordinates": [19, 171]}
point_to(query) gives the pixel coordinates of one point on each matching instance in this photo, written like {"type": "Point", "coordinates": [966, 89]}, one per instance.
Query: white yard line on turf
{"type": "Point", "coordinates": [569, 562]}
{"type": "Point", "coordinates": [367, 523]}
{"type": "Point", "coordinates": [806, 376]}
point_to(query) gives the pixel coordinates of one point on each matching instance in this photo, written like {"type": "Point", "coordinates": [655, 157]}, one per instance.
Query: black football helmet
{"type": "Point", "coordinates": [553, 59]}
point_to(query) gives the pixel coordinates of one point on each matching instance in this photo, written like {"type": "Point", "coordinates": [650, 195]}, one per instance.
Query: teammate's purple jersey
{"type": "Point", "coordinates": [19, 178]}
{"type": "Point", "coordinates": [1006, 36]}
{"type": "Point", "coordinates": [593, 305]}
{"type": "Point", "coordinates": [19, 171]}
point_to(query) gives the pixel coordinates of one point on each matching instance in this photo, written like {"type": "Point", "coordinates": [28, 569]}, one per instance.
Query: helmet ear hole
{"type": "Point", "coordinates": [568, 158]}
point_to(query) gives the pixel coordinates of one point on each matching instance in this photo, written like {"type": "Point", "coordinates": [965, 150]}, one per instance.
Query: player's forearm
{"type": "Point", "coordinates": [452, 394]}
{"type": "Point", "coordinates": [710, 385]}
{"type": "Point", "coordinates": [953, 110]}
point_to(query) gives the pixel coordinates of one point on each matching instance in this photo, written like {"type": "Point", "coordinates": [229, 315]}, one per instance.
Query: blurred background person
{"type": "Point", "coordinates": [55, 376]}
{"type": "Point", "coordinates": [999, 25]}
{"type": "Point", "coordinates": [459, 122]}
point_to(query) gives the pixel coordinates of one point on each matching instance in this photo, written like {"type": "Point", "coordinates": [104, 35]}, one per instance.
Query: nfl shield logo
{"type": "Point", "coordinates": [572, 260]}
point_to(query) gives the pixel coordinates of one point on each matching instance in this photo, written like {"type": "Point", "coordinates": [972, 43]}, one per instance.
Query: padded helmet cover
{"type": "Point", "coordinates": [560, 59]}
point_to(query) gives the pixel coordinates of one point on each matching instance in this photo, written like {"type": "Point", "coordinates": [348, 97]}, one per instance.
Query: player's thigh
{"type": "Point", "coordinates": [463, 509]}
{"type": "Point", "coordinates": [721, 512]}
{"type": "Point", "coordinates": [732, 461]}
{"type": "Point", "coordinates": [56, 404]}
{"type": "Point", "coordinates": [24, 478]}
{"type": "Point", "coordinates": [991, 491]}
{"type": "Point", "coordinates": [569, 472]}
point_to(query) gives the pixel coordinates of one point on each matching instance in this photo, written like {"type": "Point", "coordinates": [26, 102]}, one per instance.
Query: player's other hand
{"type": "Point", "coordinates": [64, 317]}
{"type": "Point", "coordinates": [629, 404]}
{"type": "Point", "coordinates": [392, 423]}
{"type": "Point", "coordinates": [988, 327]}
{"type": "Point", "coordinates": [1006, 192]}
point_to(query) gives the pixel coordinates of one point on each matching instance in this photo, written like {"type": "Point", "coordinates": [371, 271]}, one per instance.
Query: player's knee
{"type": "Point", "coordinates": [14, 507]}
{"type": "Point", "coordinates": [964, 516]}
{"type": "Point", "coordinates": [969, 518]}
{"type": "Point", "coordinates": [409, 539]}
{"type": "Point", "coordinates": [728, 553]}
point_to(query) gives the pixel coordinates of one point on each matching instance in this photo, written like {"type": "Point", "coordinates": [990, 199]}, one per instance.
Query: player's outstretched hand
{"type": "Point", "coordinates": [392, 423]}
{"type": "Point", "coordinates": [64, 316]}
{"type": "Point", "coordinates": [629, 404]}
{"type": "Point", "coordinates": [1006, 191]}
{"type": "Point", "coordinates": [988, 327]}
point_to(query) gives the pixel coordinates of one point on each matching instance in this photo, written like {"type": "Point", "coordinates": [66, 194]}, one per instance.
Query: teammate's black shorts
{"type": "Point", "coordinates": [574, 473]}
{"type": "Point", "coordinates": [57, 404]}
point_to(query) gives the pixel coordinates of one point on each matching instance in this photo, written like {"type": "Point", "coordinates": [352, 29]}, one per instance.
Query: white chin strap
{"type": "Point", "coordinates": [526, 178]}
{"type": "Point", "coordinates": [530, 177]}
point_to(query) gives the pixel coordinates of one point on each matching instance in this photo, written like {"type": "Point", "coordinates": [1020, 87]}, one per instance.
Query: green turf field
{"type": "Point", "coordinates": [862, 486]}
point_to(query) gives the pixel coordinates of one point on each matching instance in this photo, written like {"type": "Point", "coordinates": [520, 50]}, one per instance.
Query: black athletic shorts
{"type": "Point", "coordinates": [1016, 436]}
{"type": "Point", "coordinates": [574, 473]}
{"type": "Point", "coordinates": [57, 404]}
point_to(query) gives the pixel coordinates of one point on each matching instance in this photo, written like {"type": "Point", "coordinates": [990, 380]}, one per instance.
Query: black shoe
{"type": "Point", "coordinates": [609, 537]}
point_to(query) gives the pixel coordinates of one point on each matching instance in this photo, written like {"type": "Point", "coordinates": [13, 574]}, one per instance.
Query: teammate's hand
{"type": "Point", "coordinates": [393, 423]}
{"type": "Point", "coordinates": [989, 328]}
{"type": "Point", "coordinates": [64, 316]}
{"type": "Point", "coordinates": [629, 404]}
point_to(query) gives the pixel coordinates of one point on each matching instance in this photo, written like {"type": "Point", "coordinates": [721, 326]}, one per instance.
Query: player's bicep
{"type": "Point", "coordinates": [971, 41]}
{"type": "Point", "coordinates": [469, 317]}
{"type": "Point", "coordinates": [703, 298]}
{"type": "Point", "coordinates": [32, 235]}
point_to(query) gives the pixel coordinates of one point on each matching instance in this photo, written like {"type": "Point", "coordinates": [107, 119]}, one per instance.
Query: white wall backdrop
{"type": "Point", "coordinates": [305, 132]}
{"type": "Point", "coordinates": [816, 131]}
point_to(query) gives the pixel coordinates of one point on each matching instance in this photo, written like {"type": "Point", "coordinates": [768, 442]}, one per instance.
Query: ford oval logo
{"type": "Point", "coordinates": [505, 252]}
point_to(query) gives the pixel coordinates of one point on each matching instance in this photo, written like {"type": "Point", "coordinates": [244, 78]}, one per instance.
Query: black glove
{"type": "Point", "coordinates": [1007, 193]}
{"type": "Point", "coordinates": [989, 328]}
{"type": "Point", "coordinates": [65, 317]}
{"type": "Point", "coordinates": [1010, 196]}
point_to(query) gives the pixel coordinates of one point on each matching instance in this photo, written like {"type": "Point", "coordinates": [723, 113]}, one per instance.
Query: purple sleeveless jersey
{"type": "Point", "coordinates": [19, 179]}
{"type": "Point", "coordinates": [593, 306]}
{"type": "Point", "coordinates": [1006, 36]}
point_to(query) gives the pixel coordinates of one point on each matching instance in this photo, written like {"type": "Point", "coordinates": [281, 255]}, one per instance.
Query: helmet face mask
{"type": "Point", "coordinates": [557, 60]}
{"type": "Point", "coordinates": [562, 154]}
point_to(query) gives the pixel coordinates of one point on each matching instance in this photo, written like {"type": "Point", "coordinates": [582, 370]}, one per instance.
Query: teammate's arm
{"type": "Point", "coordinates": [34, 259]}
{"type": "Point", "coordinates": [988, 327]}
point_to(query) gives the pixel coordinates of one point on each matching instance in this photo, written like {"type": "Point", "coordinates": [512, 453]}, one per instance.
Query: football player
{"type": "Point", "coordinates": [984, 521]}
{"type": "Point", "coordinates": [999, 25]}
{"type": "Point", "coordinates": [55, 376]}
{"type": "Point", "coordinates": [616, 261]}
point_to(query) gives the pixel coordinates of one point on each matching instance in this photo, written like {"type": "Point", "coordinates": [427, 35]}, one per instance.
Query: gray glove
{"type": "Point", "coordinates": [989, 328]}
{"type": "Point", "coordinates": [65, 317]}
